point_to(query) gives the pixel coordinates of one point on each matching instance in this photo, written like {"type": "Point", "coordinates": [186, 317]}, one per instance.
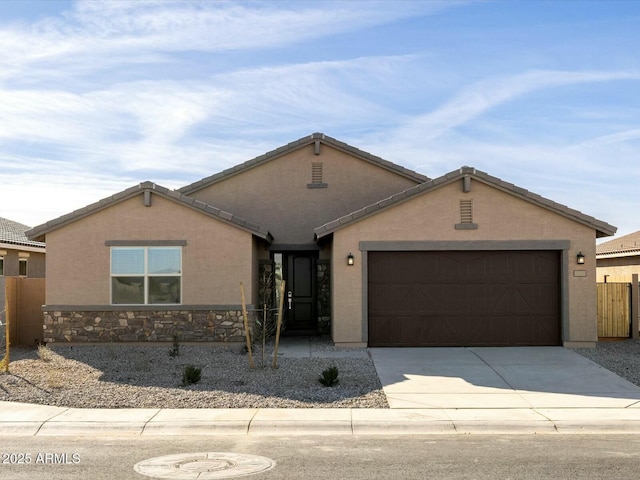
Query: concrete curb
{"type": "Point", "coordinates": [36, 420]}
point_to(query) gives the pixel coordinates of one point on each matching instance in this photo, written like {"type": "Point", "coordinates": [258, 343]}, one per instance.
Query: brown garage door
{"type": "Point", "coordinates": [464, 298]}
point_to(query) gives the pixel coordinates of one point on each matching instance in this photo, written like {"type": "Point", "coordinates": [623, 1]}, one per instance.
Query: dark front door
{"type": "Point", "coordinates": [300, 293]}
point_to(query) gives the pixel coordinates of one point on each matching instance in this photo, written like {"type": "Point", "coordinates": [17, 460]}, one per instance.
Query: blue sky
{"type": "Point", "coordinates": [98, 96]}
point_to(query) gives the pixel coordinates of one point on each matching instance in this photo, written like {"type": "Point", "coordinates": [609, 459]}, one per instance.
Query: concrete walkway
{"type": "Point", "coordinates": [430, 391]}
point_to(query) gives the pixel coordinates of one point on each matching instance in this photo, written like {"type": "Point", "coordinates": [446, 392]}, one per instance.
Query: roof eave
{"type": "Point", "coordinates": [27, 247]}
{"type": "Point", "coordinates": [627, 253]}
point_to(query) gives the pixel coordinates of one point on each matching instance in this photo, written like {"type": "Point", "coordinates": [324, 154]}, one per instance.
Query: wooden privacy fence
{"type": "Point", "coordinates": [614, 310]}
{"type": "Point", "coordinates": [24, 298]}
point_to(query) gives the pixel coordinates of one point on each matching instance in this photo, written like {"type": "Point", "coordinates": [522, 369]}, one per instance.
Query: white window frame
{"type": "Point", "coordinates": [146, 275]}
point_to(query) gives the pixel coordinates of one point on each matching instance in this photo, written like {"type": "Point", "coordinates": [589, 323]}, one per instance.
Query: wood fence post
{"type": "Point", "coordinates": [10, 305]}
{"type": "Point", "coordinates": [247, 333]}
{"type": "Point", "coordinates": [274, 364]}
{"type": "Point", "coordinates": [635, 293]}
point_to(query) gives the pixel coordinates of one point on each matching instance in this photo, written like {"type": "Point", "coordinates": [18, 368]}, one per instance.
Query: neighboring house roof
{"type": "Point", "coordinates": [13, 233]}
{"type": "Point", "coordinates": [40, 231]}
{"type": "Point", "coordinates": [625, 246]}
{"type": "Point", "coordinates": [602, 229]}
{"type": "Point", "coordinates": [302, 142]}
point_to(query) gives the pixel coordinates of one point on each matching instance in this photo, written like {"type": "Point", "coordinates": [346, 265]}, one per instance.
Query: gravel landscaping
{"type": "Point", "coordinates": [135, 376]}
{"type": "Point", "coordinates": [621, 357]}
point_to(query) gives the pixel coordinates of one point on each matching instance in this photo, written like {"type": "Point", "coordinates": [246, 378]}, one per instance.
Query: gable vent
{"type": "Point", "coordinates": [316, 176]}
{"type": "Point", "coordinates": [316, 173]}
{"type": "Point", "coordinates": [466, 216]}
{"type": "Point", "coordinates": [466, 211]}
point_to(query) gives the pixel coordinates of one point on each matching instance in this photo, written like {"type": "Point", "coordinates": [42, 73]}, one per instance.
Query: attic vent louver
{"type": "Point", "coordinates": [466, 216]}
{"type": "Point", "coordinates": [316, 176]}
{"type": "Point", "coordinates": [466, 211]}
{"type": "Point", "coordinates": [316, 173]}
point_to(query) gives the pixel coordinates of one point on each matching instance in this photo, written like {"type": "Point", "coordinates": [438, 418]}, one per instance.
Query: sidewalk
{"type": "Point", "coordinates": [35, 420]}
{"type": "Point", "coordinates": [431, 391]}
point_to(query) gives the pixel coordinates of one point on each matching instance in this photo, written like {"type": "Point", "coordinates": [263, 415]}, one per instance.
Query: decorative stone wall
{"type": "Point", "coordinates": [144, 326]}
{"type": "Point", "coordinates": [324, 297]}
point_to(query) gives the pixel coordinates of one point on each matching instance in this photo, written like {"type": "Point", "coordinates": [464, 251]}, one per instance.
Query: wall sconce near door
{"type": "Point", "coordinates": [350, 260]}
{"type": "Point", "coordinates": [580, 258]}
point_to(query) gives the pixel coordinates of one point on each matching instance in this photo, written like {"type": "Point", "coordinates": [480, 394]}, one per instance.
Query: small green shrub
{"type": "Point", "coordinates": [191, 375]}
{"type": "Point", "coordinates": [329, 377]}
{"type": "Point", "coordinates": [175, 348]}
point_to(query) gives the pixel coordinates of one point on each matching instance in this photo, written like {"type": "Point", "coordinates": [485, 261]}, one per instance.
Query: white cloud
{"type": "Point", "coordinates": [112, 93]}
{"type": "Point", "coordinates": [148, 125]}
{"type": "Point", "coordinates": [143, 31]}
{"type": "Point", "coordinates": [482, 96]}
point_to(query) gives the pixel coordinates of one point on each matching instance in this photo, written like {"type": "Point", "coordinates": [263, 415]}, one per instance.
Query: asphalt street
{"type": "Point", "coordinates": [354, 457]}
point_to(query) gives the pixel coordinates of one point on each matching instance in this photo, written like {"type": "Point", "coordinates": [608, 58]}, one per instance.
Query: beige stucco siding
{"type": "Point", "coordinates": [276, 196]}
{"type": "Point", "coordinates": [431, 217]}
{"type": "Point", "coordinates": [619, 269]}
{"type": "Point", "coordinates": [216, 258]}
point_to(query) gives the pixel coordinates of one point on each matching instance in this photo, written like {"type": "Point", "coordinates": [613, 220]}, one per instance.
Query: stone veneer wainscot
{"type": "Point", "coordinates": [137, 325]}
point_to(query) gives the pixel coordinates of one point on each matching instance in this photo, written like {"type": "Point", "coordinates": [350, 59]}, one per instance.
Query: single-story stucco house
{"type": "Point", "coordinates": [618, 259]}
{"type": "Point", "coordinates": [377, 254]}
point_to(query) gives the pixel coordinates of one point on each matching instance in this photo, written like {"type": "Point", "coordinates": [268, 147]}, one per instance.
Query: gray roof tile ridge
{"type": "Point", "coordinates": [447, 178]}
{"type": "Point", "coordinates": [279, 151]}
{"type": "Point", "coordinates": [546, 202]}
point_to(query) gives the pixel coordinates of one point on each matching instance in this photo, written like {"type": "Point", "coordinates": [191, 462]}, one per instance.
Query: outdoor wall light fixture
{"type": "Point", "coordinates": [350, 259]}
{"type": "Point", "coordinates": [580, 258]}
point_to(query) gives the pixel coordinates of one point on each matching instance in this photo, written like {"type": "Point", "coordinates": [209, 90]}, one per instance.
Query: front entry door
{"type": "Point", "coordinates": [300, 293]}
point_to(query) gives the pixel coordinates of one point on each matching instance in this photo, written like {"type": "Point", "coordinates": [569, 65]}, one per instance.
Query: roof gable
{"type": "Point", "coordinates": [40, 231]}
{"type": "Point", "coordinates": [624, 246]}
{"type": "Point", "coordinates": [315, 138]}
{"type": "Point", "coordinates": [602, 229]}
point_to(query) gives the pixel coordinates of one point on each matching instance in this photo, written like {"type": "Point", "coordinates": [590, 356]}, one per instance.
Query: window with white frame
{"type": "Point", "coordinates": [146, 275]}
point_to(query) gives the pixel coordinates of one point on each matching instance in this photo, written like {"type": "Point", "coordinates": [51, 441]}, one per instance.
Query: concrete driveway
{"type": "Point", "coordinates": [487, 378]}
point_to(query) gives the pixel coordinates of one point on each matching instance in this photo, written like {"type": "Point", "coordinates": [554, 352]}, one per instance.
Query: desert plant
{"type": "Point", "coordinates": [265, 323]}
{"type": "Point", "coordinates": [55, 379]}
{"type": "Point", "coordinates": [329, 377]}
{"type": "Point", "coordinates": [191, 375]}
{"type": "Point", "coordinates": [44, 353]}
{"type": "Point", "coordinates": [175, 348]}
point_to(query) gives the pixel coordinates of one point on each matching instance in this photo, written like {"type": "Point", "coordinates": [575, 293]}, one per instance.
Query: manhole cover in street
{"type": "Point", "coordinates": [204, 466]}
